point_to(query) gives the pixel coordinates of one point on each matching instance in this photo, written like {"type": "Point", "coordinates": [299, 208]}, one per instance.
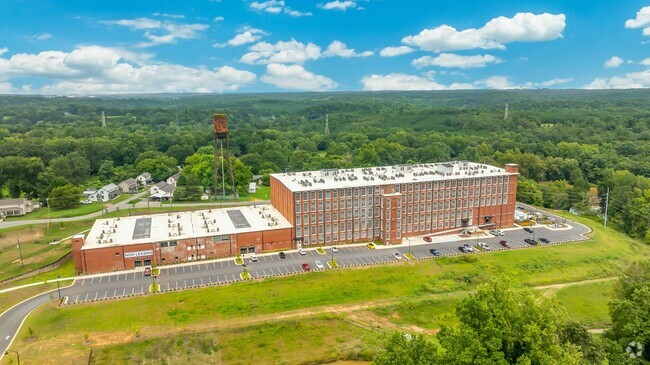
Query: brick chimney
{"type": "Point", "coordinates": [512, 167]}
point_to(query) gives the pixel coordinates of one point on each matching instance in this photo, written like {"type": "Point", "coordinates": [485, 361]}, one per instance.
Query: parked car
{"type": "Point", "coordinates": [397, 256]}
{"type": "Point", "coordinates": [85, 202]}
{"type": "Point", "coordinates": [463, 249]}
{"type": "Point", "coordinates": [334, 249]}
{"type": "Point", "coordinates": [484, 246]}
{"type": "Point", "coordinates": [305, 267]}
{"type": "Point", "coordinates": [426, 239]}
{"type": "Point", "coordinates": [319, 265]}
{"type": "Point", "coordinates": [469, 247]}
{"type": "Point", "coordinates": [302, 252]}
{"type": "Point", "coordinates": [435, 252]}
{"type": "Point", "coordinates": [529, 230]}
{"type": "Point", "coordinates": [282, 255]}
{"type": "Point", "coordinates": [147, 271]}
{"type": "Point", "coordinates": [253, 257]}
{"type": "Point", "coordinates": [371, 246]}
{"type": "Point", "coordinates": [504, 243]}
{"type": "Point", "coordinates": [544, 240]}
{"type": "Point", "coordinates": [530, 241]}
{"type": "Point", "coordinates": [497, 232]}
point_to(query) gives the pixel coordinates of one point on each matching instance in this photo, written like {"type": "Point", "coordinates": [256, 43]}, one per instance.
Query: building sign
{"type": "Point", "coordinates": [128, 255]}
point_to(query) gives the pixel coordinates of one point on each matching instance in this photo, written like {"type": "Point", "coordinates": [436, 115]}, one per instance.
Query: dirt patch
{"type": "Point", "coordinates": [11, 237]}
{"type": "Point", "coordinates": [551, 289]}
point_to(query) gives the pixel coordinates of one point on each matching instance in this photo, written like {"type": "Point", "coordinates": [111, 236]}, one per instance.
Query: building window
{"type": "Point", "coordinates": [297, 207]}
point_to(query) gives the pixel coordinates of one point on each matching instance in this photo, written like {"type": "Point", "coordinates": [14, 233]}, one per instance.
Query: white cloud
{"type": "Point", "coordinates": [246, 35]}
{"type": "Point", "coordinates": [523, 27]}
{"type": "Point", "coordinates": [642, 20]}
{"type": "Point", "coordinates": [160, 32]}
{"type": "Point", "coordinates": [498, 82]}
{"type": "Point", "coordinates": [101, 70]}
{"type": "Point", "coordinates": [276, 7]}
{"type": "Point", "coordinates": [3, 50]}
{"type": "Point", "coordinates": [38, 37]}
{"type": "Point", "coordinates": [340, 49]}
{"type": "Point", "coordinates": [396, 81]}
{"type": "Point", "coordinates": [338, 5]}
{"type": "Point", "coordinates": [613, 62]}
{"type": "Point", "coordinates": [218, 19]}
{"type": "Point", "coordinates": [167, 15]}
{"type": "Point", "coordinates": [296, 77]}
{"type": "Point", "coordinates": [454, 60]}
{"type": "Point", "coordinates": [633, 80]}
{"type": "Point", "coordinates": [281, 52]}
{"type": "Point", "coordinates": [395, 51]}
{"type": "Point", "coordinates": [644, 62]}
{"type": "Point", "coordinates": [553, 82]}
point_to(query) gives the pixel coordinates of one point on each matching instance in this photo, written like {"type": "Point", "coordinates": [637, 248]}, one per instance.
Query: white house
{"type": "Point", "coordinates": [108, 192]}
{"type": "Point", "coordinates": [16, 207]}
{"type": "Point", "coordinates": [172, 180]}
{"type": "Point", "coordinates": [162, 191]}
{"type": "Point", "coordinates": [144, 179]}
{"type": "Point", "coordinates": [129, 186]}
{"type": "Point", "coordinates": [252, 188]}
{"type": "Point", "coordinates": [91, 195]}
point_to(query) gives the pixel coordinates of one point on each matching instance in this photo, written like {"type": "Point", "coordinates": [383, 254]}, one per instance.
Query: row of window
{"type": "Point", "coordinates": [489, 182]}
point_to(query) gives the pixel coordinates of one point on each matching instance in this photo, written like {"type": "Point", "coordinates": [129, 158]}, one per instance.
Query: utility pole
{"type": "Point", "coordinates": [20, 251]}
{"type": "Point", "coordinates": [58, 287]}
{"type": "Point", "coordinates": [327, 125]}
{"type": "Point", "coordinates": [606, 208]}
{"type": "Point", "coordinates": [49, 216]}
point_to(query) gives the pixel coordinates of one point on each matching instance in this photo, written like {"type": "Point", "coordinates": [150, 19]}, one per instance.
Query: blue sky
{"type": "Point", "coordinates": [98, 47]}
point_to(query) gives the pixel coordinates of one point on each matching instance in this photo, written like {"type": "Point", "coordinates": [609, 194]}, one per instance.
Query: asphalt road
{"type": "Point", "coordinates": [188, 275]}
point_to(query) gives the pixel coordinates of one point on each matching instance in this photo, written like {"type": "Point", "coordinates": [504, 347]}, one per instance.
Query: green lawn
{"type": "Point", "coordinates": [35, 247]}
{"type": "Point", "coordinates": [588, 303]}
{"type": "Point", "coordinates": [262, 193]}
{"type": "Point", "coordinates": [328, 339]}
{"type": "Point", "coordinates": [82, 209]}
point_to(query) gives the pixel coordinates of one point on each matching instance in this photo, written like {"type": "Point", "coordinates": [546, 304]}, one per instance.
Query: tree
{"type": "Point", "coordinates": [499, 325]}
{"type": "Point", "coordinates": [106, 172]}
{"type": "Point", "coordinates": [160, 167]}
{"type": "Point", "coordinates": [73, 167]}
{"type": "Point", "coordinates": [66, 196]}
{"type": "Point", "coordinates": [528, 192]}
{"type": "Point", "coordinates": [630, 310]}
{"type": "Point", "coordinates": [406, 349]}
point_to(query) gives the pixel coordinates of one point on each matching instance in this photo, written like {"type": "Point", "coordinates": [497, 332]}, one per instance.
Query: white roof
{"type": "Point", "coordinates": [385, 175]}
{"type": "Point", "coordinates": [181, 225]}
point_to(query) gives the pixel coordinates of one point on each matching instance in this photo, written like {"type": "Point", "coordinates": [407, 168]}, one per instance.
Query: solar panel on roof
{"type": "Point", "coordinates": [142, 228]}
{"type": "Point", "coordinates": [238, 219]}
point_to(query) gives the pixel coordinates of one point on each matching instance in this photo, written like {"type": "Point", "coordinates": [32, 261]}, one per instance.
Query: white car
{"type": "Point", "coordinates": [497, 232]}
{"type": "Point", "coordinates": [397, 256]}
{"type": "Point", "coordinates": [319, 265]}
{"type": "Point", "coordinates": [484, 246]}
{"type": "Point", "coordinates": [334, 249]}
{"type": "Point", "coordinates": [253, 258]}
{"type": "Point", "coordinates": [85, 202]}
{"type": "Point", "coordinates": [302, 252]}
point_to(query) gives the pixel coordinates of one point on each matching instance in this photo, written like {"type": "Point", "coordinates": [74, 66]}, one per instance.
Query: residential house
{"type": "Point", "coordinates": [16, 207]}
{"type": "Point", "coordinates": [252, 188]}
{"type": "Point", "coordinates": [172, 180]}
{"type": "Point", "coordinates": [91, 195]}
{"type": "Point", "coordinates": [162, 191]}
{"type": "Point", "coordinates": [128, 186]}
{"type": "Point", "coordinates": [108, 192]}
{"type": "Point", "coordinates": [144, 179]}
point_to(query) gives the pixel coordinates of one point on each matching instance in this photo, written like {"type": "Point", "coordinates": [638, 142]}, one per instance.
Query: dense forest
{"type": "Point", "coordinates": [571, 145]}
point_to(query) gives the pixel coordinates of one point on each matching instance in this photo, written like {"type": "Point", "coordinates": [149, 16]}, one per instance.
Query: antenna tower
{"type": "Point", "coordinates": [327, 124]}
{"type": "Point", "coordinates": [505, 116]}
{"type": "Point", "coordinates": [103, 120]}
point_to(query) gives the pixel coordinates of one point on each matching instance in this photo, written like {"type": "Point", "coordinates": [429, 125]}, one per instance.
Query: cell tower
{"type": "Point", "coordinates": [327, 124]}
{"type": "Point", "coordinates": [505, 116]}
{"type": "Point", "coordinates": [220, 123]}
{"type": "Point", "coordinates": [103, 120]}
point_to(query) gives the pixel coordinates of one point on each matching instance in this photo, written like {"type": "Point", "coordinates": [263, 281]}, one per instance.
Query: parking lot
{"type": "Point", "coordinates": [189, 275]}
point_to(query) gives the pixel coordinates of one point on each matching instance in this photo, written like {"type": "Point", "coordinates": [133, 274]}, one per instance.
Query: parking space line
{"type": "Point", "coordinates": [184, 283]}
{"type": "Point", "coordinates": [168, 285]}
{"type": "Point", "coordinates": [82, 282]}
{"type": "Point", "coordinates": [115, 293]}
{"type": "Point", "coordinates": [221, 263]}
{"type": "Point", "coordinates": [192, 268]}
{"type": "Point", "coordinates": [141, 289]}
{"type": "Point", "coordinates": [86, 297]}
{"type": "Point", "coordinates": [96, 294]}
{"type": "Point", "coordinates": [286, 269]}
{"type": "Point", "coordinates": [91, 280]}
{"type": "Point", "coordinates": [201, 281]}
{"type": "Point", "coordinates": [193, 283]}
{"type": "Point", "coordinates": [264, 271]}
{"type": "Point", "coordinates": [124, 290]}
{"type": "Point", "coordinates": [77, 298]}
{"type": "Point", "coordinates": [133, 290]}
{"type": "Point", "coordinates": [256, 274]}
{"type": "Point", "coordinates": [233, 277]}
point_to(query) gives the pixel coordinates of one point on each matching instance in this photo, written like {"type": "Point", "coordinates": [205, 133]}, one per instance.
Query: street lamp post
{"type": "Point", "coordinates": [409, 240]}
{"type": "Point", "coordinates": [332, 257]}
{"type": "Point", "coordinates": [58, 286]}
{"type": "Point", "coordinates": [15, 352]}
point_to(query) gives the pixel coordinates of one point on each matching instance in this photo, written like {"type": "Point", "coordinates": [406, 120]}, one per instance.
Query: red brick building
{"type": "Point", "coordinates": [393, 202]}
{"type": "Point", "coordinates": [319, 207]}
{"type": "Point", "coordinates": [127, 243]}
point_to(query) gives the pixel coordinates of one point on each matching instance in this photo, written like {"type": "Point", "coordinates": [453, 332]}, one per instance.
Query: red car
{"type": "Point", "coordinates": [306, 267]}
{"type": "Point", "coordinates": [147, 271]}
{"type": "Point", "coordinates": [427, 239]}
